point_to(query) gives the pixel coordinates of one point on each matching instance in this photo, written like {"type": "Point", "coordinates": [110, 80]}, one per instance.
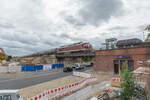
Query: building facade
{"type": "Point", "coordinates": [74, 53]}
{"type": "Point", "coordinates": [113, 60]}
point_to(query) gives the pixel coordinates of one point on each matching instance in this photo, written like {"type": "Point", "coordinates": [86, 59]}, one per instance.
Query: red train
{"type": "Point", "coordinates": [74, 47]}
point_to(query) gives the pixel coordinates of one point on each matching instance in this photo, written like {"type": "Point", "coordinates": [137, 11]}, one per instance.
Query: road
{"type": "Point", "coordinates": [25, 82]}
{"type": "Point", "coordinates": [18, 81]}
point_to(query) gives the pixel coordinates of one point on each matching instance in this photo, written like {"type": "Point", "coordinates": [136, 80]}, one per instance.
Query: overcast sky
{"type": "Point", "coordinates": [28, 26]}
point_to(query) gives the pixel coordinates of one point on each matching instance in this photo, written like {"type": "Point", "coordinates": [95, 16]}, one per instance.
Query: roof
{"type": "Point", "coordinates": [142, 70]}
{"type": "Point", "coordinates": [9, 91]}
{"type": "Point", "coordinates": [133, 41]}
{"type": "Point", "coordinates": [111, 39]}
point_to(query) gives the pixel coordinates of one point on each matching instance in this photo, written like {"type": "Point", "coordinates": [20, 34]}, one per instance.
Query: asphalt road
{"type": "Point", "coordinates": [25, 82]}
{"type": "Point", "coordinates": [10, 82]}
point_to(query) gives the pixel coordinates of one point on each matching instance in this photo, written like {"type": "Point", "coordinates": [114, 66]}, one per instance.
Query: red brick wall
{"type": "Point", "coordinates": [138, 58]}
{"type": "Point", "coordinates": [131, 51]}
{"type": "Point", "coordinates": [104, 58]}
{"type": "Point", "coordinates": [104, 63]}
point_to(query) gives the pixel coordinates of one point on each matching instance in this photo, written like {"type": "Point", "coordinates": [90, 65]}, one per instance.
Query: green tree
{"type": "Point", "coordinates": [127, 84]}
{"type": "Point", "coordinates": [8, 58]}
{"type": "Point", "coordinates": [87, 59]}
{"type": "Point", "coordinates": [148, 36]}
{"type": "Point", "coordinates": [147, 28]}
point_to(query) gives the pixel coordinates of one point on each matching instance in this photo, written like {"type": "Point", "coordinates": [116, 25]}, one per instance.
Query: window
{"type": "Point", "coordinates": [130, 65]}
{"type": "Point", "coordinates": [7, 97]}
{"type": "Point", "coordinates": [1, 97]}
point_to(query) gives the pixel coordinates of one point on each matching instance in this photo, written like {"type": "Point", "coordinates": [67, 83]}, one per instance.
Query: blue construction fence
{"type": "Point", "coordinates": [30, 68]}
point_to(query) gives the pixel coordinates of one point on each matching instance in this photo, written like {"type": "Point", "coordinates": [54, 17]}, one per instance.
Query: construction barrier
{"type": "Point", "coordinates": [30, 68]}
{"type": "Point", "coordinates": [65, 90]}
{"type": "Point", "coordinates": [116, 82]}
{"type": "Point", "coordinates": [14, 68]}
{"type": "Point", "coordinates": [6, 69]}
{"type": "Point", "coordinates": [47, 67]}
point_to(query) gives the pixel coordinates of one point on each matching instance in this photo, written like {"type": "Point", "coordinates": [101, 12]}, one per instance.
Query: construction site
{"type": "Point", "coordinates": [68, 54]}
{"type": "Point", "coordinates": [74, 50]}
{"type": "Point", "coordinates": [78, 72]}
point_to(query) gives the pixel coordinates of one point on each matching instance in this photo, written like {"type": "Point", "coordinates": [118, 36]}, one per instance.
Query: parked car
{"type": "Point", "coordinates": [78, 66]}
{"type": "Point", "coordinates": [10, 95]}
{"type": "Point", "coordinates": [67, 69]}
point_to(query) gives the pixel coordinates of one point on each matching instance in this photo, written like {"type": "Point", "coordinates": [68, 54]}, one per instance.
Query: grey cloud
{"type": "Point", "coordinates": [118, 28]}
{"type": "Point", "coordinates": [20, 37]}
{"type": "Point", "coordinates": [95, 12]}
{"type": "Point", "coordinates": [73, 38]}
{"type": "Point", "coordinates": [28, 26]}
{"type": "Point", "coordinates": [141, 27]}
{"type": "Point", "coordinates": [65, 35]}
{"type": "Point", "coordinates": [52, 43]}
{"type": "Point", "coordinates": [76, 22]}
{"type": "Point", "coordinates": [15, 51]}
{"type": "Point", "coordinates": [6, 25]}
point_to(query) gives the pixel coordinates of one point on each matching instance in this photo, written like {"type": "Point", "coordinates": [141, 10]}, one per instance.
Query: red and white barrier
{"type": "Point", "coordinates": [116, 79]}
{"type": "Point", "coordinates": [53, 94]}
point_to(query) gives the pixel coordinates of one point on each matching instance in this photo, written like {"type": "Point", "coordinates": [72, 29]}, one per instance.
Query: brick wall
{"type": "Point", "coordinates": [103, 63]}
{"type": "Point", "coordinates": [104, 58]}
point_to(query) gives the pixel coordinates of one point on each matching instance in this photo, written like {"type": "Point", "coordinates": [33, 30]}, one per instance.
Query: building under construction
{"type": "Point", "coordinates": [75, 53]}
{"type": "Point", "coordinates": [68, 54]}
{"type": "Point", "coordinates": [44, 57]}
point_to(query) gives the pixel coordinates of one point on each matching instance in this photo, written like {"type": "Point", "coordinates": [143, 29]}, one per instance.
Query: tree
{"type": "Point", "coordinates": [148, 36]}
{"type": "Point", "coordinates": [127, 84]}
{"type": "Point", "coordinates": [87, 59]}
{"type": "Point", "coordinates": [147, 28]}
{"type": "Point", "coordinates": [8, 58]}
{"type": "Point", "coordinates": [2, 57]}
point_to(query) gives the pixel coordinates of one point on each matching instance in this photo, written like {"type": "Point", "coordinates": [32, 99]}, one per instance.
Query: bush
{"type": "Point", "coordinates": [127, 84]}
{"type": "Point", "coordinates": [130, 89]}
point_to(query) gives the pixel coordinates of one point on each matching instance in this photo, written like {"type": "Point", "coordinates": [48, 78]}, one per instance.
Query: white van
{"type": "Point", "coordinates": [10, 95]}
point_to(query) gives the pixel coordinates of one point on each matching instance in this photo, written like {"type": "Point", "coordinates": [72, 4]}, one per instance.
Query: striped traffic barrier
{"type": "Point", "coordinates": [65, 90]}
{"type": "Point", "coordinates": [116, 79]}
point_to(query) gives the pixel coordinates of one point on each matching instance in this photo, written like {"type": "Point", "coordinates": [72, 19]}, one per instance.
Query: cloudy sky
{"type": "Point", "coordinates": [28, 26]}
